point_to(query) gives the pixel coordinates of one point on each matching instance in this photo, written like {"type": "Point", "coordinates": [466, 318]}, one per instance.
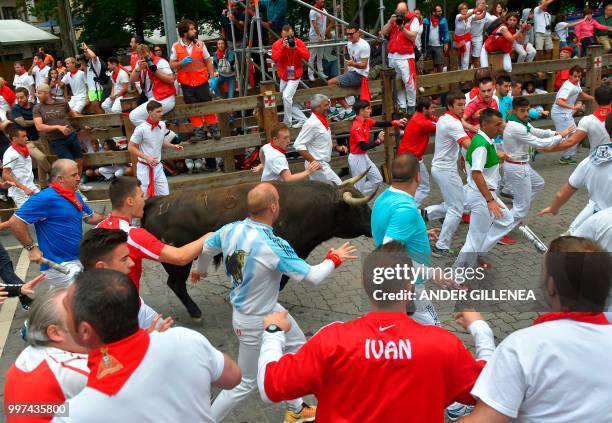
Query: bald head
{"type": "Point", "coordinates": [261, 198]}
{"type": "Point", "coordinates": [405, 168]}
{"type": "Point", "coordinates": [402, 7]}
{"type": "Point", "coordinates": [62, 167]}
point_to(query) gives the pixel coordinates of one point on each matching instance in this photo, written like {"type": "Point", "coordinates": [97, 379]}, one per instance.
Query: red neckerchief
{"type": "Point", "coordinates": [68, 194]}
{"type": "Point", "coordinates": [116, 72]}
{"type": "Point", "coordinates": [22, 72]}
{"type": "Point", "coordinates": [320, 7]}
{"type": "Point", "coordinates": [435, 21]}
{"type": "Point", "coordinates": [8, 94]}
{"type": "Point", "coordinates": [21, 149]}
{"type": "Point", "coordinates": [448, 112]}
{"type": "Point", "coordinates": [153, 124]}
{"type": "Point", "coordinates": [72, 73]}
{"type": "Point", "coordinates": [44, 65]}
{"type": "Point", "coordinates": [220, 54]}
{"type": "Point", "coordinates": [323, 119]}
{"type": "Point", "coordinates": [601, 113]}
{"type": "Point", "coordinates": [276, 147]}
{"type": "Point", "coordinates": [111, 366]}
{"type": "Point", "coordinates": [572, 82]}
{"type": "Point", "coordinates": [585, 317]}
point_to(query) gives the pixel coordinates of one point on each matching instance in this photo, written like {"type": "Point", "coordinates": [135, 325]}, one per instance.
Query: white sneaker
{"type": "Point", "coordinates": [85, 188]}
{"type": "Point", "coordinates": [311, 77]}
{"type": "Point", "coordinates": [322, 75]}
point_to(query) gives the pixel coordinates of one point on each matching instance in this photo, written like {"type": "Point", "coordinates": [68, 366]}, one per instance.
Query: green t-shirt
{"type": "Point", "coordinates": [604, 21]}
{"type": "Point", "coordinates": [480, 141]}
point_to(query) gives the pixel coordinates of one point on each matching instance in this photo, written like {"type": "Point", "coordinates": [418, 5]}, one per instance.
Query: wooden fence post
{"type": "Point", "coordinates": [593, 71]}
{"type": "Point", "coordinates": [268, 111]}
{"type": "Point", "coordinates": [388, 78]}
{"type": "Point", "coordinates": [556, 44]}
{"type": "Point", "coordinates": [129, 130]}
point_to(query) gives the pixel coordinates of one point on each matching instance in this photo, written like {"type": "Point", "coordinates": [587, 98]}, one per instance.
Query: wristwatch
{"type": "Point", "coordinates": [273, 328]}
{"type": "Point", "coordinates": [29, 247]}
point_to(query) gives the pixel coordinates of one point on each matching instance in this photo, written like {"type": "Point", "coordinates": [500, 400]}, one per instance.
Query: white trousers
{"type": "Point", "coordinates": [140, 114]}
{"type": "Point", "coordinates": [291, 111]}
{"type": "Point", "coordinates": [464, 60]}
{"type": "Point", "coordinates": [159, 177]}
{"type": "Point", "coordinates": [60, 280]}
{"type": "Point", "coordinates": [249, 329]}
{"type": "Point", "coordinates": [358, 164]}
{"type": "Point", "coordinates": [112, 170]}
{"type": "Point", "coordinates": [406, 95]}
{"type": "Point", "coordinates": [484, 60]}
{"type": "Point", "coordinates": [20, 197]}
{"type": "Point", "coordinates": [77, 104]}
{"type": "Point", "coordinates": [423, 189]}
{"type": "Point", "coordinates": [476, 46]}
{"type": "Point", "coordinates": [587, 211]}
{"type": "Point", "coordinates": [110, 106]}
{"type": "Point", "coordinates": [563, 121]}
{"type": "Point", "coordinates": [325, 174]}
{"type": "Point", "coordinates": [424, 311]}
{"type": "Point", "coordinates": [451, 209]}
{"type": "Point", "coordinates": [525, 53]}
{"type": "Point", "coordinates": [484, 231]}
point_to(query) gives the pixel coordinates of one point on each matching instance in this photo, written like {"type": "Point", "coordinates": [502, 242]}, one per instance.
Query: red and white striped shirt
{"type": "Point", "coordinates": [142, 244]}
{"type": "Point", "coordinates": [44, 375]}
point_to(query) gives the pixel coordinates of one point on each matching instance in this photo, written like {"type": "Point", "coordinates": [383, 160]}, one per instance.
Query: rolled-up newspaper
{"type": "Point", "coordinates": [533, 238]}
{"type": "Point", "coordinates": [55, 266]}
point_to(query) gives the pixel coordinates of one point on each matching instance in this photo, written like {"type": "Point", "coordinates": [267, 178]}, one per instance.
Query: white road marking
{"type": "Point", "coordinates": [7, 311]}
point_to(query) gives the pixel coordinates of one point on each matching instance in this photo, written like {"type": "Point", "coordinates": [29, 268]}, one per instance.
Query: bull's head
{"type": "Point", "coordinates": [354, 214]}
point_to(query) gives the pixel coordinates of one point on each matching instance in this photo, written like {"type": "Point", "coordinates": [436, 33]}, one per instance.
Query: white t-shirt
{"type": "Point", "coordinates": [479, 158]}
{"type": "Point", "coordinates": [77, 82]}
{"type": "Point", "coordinates": [359, 51]}
{"type": "Point", "coordinates": [97, 66]}
{"type": "Point", "coordinates": [172, 383]}
{"type": "Point", "coordinates": [477, 25]}
{"type": "Point", "coordinates": [150, 140]}
{"type": "Point", "coordinates": [418, 42]}
{"type": "Point", "coordinates": [434, 36]}
{"type": "Point", "coordinates": [21, 168]}
{"type": "Point", "coordinates": [552, 372]}
{"type": "Point", "coordinates": [315, 138]}
{"type": "Point", "coordinates": [461, 26]}
{"type": "Point", "coordinates": [449, 132]}
{"type": "Point", "coordinates": [541, 19]}
{"type": "Point", "coordinates": [174, 55]}
{"type": "Point", "coordinates": [598, 227]}
{"type": "Point", "coordinates": [595, 130]}
{"type": "Point", "coordinates": [40, 75]}
{"type": "Point", "coordinates": [414, 27]}
{"type": "Point", "coordinates": [568, 92]}
{"type": "Point", "coordinates": [321, 21]}
{"type": "Point", "coordinates": [596, 179]}
{"type": "Point", "coordinates": [122, 79]}
{"type": "Point", "coordinates": [25, 80]}
{"type": "Point", "coordinates": [274, 163]}
{"type": "Point", "coordinates": [562, 31]}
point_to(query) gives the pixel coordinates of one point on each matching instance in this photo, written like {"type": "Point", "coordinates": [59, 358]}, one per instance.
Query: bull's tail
{"type": "Point", "coordinates": [217, 260]}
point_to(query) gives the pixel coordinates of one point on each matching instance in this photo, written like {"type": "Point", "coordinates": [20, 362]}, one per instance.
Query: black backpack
{"type": "Point", "coordinates": [101, 78]}
{"type": "Point", "coordinates": [493, 26]}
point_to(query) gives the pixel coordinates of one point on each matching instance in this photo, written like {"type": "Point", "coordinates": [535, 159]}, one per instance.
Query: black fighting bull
{"type": "Point", "coordinates": [310, 213]}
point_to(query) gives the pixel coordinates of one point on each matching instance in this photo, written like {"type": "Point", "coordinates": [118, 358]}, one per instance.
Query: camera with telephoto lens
{"type": "Point", "coordinates": [400, 19]}
{"type": "Point", "coordinates": [290, 41]}
{"type": "Point", "coordinates": [548, 27]}
{"type": "Point", "coordinates": [149, 61]}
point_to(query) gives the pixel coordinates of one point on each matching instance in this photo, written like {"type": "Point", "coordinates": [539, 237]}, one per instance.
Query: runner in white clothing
{"type": "Point", "coordinates": [24, 79]}
{"type": "Point", "coordinates": [77, 80]}
{"type": "Point", "coordinates": [562, 112]}
{"type": "Point", "coordinates": [314, 142]}
{"type": "Point", "coordinates": [450, 137]}
{"type": "Point", "coordinates": [274, 165]}
{"type": "Point", "coordinates": [255, 260]}
{"type": "Point", "coordinates": [146, 143]}
{"type": "Point", "coordinates": [130, 367]}
{"type": "Point", "coordinates": [594, 173]}
{"type": "Point", "coordinates": [18, 167]}
{"type": "Point", "coordinates": [558, 370]}
{"type": "Point", "coordinates": [121, 82]}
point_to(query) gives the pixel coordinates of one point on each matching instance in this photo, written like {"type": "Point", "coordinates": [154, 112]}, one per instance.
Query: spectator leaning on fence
{"type": "Point", "coordinates": [502, 40]}
{"type": "Point", "coordinates": [402, 30]}
{"type": "Point", "coordinates": [22, 114]}
{"type": "Point", "coordinates": [585, 30]}
{"type": "Point", "coordinates": [288, 52]}
{"type": "Point", "coordinates": [158, 71]}
{"type": "Point", "coordinates": [194, 67]}
{"type": "Point", "coordinates": [435, 37]}
{"type": "Point", "coordinates": [121, 80]}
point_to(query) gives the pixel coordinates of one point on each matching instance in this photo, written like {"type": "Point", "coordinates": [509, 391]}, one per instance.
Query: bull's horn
{"type": "Point", "coordinates": [352, 201]}
{"type": "Point", "coordinates": [352, 181]}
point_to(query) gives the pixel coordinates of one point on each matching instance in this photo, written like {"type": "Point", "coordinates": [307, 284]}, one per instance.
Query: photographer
{"type": "Point", "coordinates": [96, 77]}
{"type": "Point", "coordinates": [288, 53]}
{"type": "Point", "coordinates": [158, 71]}
{"type": "Point", "coordinates": [402, 30]}
{"type": "Point", "coordinates": [542, 25]}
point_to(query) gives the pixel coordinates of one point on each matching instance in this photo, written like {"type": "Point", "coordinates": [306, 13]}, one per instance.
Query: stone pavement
{"type": "Point", "coordinates": [340, 298]}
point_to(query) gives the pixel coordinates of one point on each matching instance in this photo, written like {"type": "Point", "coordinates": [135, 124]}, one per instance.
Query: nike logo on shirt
{"type": "Point", "coordinates": [384, 328]}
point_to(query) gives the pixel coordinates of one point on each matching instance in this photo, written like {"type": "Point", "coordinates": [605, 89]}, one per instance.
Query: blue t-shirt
{"type": "Point", "coordinates": [58, 224]}
{"type": "Point", "coordinates": [505, 105]}
{"type": "Point", "coordinates": [395, 217]}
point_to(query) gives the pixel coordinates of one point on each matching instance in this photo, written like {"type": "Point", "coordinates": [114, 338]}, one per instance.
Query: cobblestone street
{"type": "Point", "coordinates": [340, 298]}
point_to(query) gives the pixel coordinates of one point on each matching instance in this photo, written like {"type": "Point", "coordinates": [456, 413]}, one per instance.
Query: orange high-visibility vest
{"type": "Point", "coordinates": [195, 73]}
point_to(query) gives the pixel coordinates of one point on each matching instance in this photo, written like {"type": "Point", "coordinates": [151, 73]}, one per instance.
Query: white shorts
{"type": "Point", "coordinates": [476, 46]}
{"type": "Point", "coordinates": [77, 104]}
{"type": "Point", "coordinates": [325, 174]}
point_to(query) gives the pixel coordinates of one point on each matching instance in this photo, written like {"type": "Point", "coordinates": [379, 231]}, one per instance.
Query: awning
{"type": "Point", "coordinates": [15, 31]}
